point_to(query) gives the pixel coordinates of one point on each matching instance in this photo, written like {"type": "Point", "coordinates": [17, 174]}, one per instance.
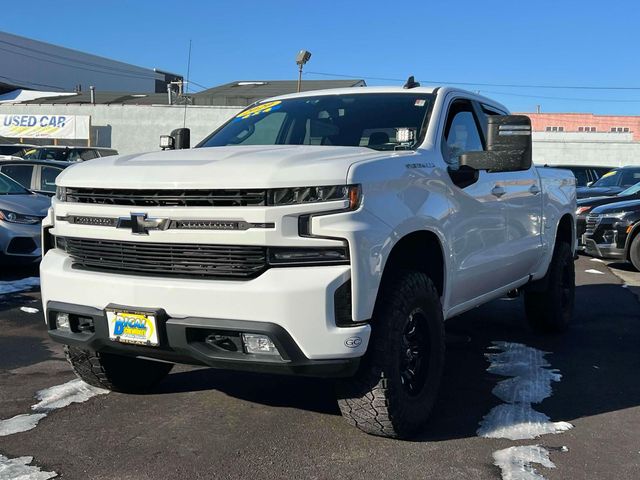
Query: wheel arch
{"type": "Point", "coordinates": [565, 231]}
{"type": "Point", "coordinates": [420, 250]}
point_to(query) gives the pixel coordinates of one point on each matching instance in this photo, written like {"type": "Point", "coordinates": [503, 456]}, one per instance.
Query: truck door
{"type": "Point", "coordinates": [522, 200]}
{"type": "Point", "coordinates": [478, 219]}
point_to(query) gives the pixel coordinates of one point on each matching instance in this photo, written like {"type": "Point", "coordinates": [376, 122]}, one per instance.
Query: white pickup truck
{"type": "Point", "coordinates": [328, 233]}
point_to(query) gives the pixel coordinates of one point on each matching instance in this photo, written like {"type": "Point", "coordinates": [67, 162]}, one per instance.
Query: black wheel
{"type": "Point", "coordinates": [394, 390]}
{"type": "Point", "coordinates": [634, 252]}
{"type": "Point", "coordinates": [549, 302]}
{"type": "Point", "coordinates": [116, 372]}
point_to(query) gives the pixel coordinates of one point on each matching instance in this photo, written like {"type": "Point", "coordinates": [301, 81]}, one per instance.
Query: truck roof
{"type": "Point", "coordinates": [442, 89]}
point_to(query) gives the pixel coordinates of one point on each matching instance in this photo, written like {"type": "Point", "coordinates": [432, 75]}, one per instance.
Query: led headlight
{"type": "Point", "coordinates": [61, 194]}
{"type": "Point", "coordinates": [298, 195]}
{"type": "Point", "coordinates": [13, 217]}
{"type": "Point", "coordinates": [306, 256]}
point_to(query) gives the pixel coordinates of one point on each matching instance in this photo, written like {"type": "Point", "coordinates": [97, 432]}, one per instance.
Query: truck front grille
{"type": "Point", "coordinates": [592, 223]}
{"type": "Point", "coordinates": [166, 259]}
{"type": "Point", "coordinates": [167, 198]}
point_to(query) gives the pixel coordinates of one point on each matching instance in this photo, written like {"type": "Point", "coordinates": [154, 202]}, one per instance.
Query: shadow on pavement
{"type": "Point", "coordinates": [599, 360]}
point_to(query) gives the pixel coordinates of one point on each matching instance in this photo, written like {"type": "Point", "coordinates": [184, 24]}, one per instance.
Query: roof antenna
{"type": "Point", "coordinates": [411, 83]}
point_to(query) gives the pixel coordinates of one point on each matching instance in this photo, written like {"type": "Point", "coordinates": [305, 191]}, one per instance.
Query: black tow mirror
{"type": "Point", "coordinates": [508, 145]}
{"type": "Point", "coordinates": [179, 139]}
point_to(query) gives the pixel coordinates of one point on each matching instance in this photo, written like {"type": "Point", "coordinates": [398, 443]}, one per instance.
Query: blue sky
{"type": "Point", "coordinates": [552, 43]}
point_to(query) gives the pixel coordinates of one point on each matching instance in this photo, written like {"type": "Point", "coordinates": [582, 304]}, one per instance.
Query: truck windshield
{"type": "Point", "coordinates": [389, 121]}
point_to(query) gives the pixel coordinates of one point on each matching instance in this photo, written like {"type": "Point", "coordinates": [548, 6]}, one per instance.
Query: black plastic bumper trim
{"type": "Point", "coordinates": [176, 347]}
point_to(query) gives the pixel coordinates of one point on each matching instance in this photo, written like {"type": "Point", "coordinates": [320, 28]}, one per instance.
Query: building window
{"type": "Point", "coordinates": [554, 129]}
{"type": "Point", "coordinates": [620, 130]}
{"type": "Point", "coordinates": [586, 129]}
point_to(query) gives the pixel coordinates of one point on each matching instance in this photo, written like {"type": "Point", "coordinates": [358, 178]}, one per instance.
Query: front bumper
{"type": "Point", "coordinates": [604, 250]}
{"type": "Point", "coordinates": [20, 241]}
{"type": "Point", "coordinates": [297, 301]}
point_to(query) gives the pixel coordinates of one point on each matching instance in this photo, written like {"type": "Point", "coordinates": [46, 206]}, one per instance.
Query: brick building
{"type": "Point", "coordinates": [586, 123]}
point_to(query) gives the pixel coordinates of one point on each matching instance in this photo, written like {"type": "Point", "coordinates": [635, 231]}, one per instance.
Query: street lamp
{"type": "Point", "coordinates": [302, 58]}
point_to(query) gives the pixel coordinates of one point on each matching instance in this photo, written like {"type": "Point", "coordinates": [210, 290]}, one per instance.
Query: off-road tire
{"type": "Point", "coordinates": [378, 399]}
{"type": "Point", "coordinates": [549, 302]}
{"type": "Point", "coordinates": [634, 252]}
{"type": "Point", "coordinates": [115, 372]}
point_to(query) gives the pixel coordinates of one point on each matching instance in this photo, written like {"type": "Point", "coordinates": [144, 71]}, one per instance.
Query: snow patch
{"type": "Point", "coordinates": [20, 423]}
{"type": "Point", "coordinates": [19, 469]}
{"type": "Point", "coordinates": [515, 462]}
{"type": "Point", "coordinates": [19, 285]}
{"type": "Point", "coordinates": [530, 383]}
{"type": "Point", "coordinates": [518, 421]}
{"type": "Point", "coordinates": [593, 270]}
{"type": "Point", "coordinates": [29, 309]}
{"type": "Point", "coordinates": [75, 391]}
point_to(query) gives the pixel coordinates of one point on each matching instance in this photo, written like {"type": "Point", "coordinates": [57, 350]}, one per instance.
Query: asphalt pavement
{"type": "Point", "coordinates": [207, 424]}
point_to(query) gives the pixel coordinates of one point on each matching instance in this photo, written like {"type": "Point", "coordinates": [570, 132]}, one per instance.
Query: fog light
{"type": "Point", "coordinates": [62, 321]}
{"type": "Point", "coordinates": [261, 344]}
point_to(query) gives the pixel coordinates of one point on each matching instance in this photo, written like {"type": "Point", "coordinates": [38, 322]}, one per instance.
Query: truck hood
{"type": "Point", "coordinates": [221, 167]}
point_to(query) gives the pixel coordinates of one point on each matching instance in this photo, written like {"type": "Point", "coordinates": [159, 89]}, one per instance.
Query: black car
{"type": "Point", "coordinates": [68, 154]}
{"type": "Point", "coordinates": [585, 205]}
{"type": "Point", "coordinates": [14, 149]}
{"type": "Point", "coordinates": [611, 183]}
{"type": "Point", "coordinates": [35, 175]}
{"type": "Point", "coordinates": [612, 232]}
{"type": "Point", "coordinates": [585, 174]}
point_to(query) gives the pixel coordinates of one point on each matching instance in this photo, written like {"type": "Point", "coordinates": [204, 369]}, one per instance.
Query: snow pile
{"type": "Point", "coordinates": [75, 391]}
{"type": "Point", "coordinates": [19, 285]}
{"type": "Point", "coordinates": [515, 462]}
{"type": "Point", "coordinates": [29, 309]}
{"type": "Point", "coordinates": [19, 469]}
{"type": "Point", "coordinates": [530, 383]}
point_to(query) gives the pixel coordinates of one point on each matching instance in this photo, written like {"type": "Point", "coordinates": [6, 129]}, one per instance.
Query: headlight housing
{"type": "Point", "coordinates": [581, 210]}
{"type": "Point", "coordinates": [13, 217]}
{"type": "Point", "coordinates": [300, 195]}
{"type": "Point", "coordinates": [61, 194]}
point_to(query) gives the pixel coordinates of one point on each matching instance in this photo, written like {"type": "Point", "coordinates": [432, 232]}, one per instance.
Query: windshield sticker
{"type": "Point", "coordinates": [421, 102]}
{"type": "Point", "coordinates": [608, 174]}
{"type": "Point", "coordinates": [258, 109]}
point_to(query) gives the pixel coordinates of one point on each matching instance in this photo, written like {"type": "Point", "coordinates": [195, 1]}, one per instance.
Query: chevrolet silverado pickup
{"type": "Point", "coordinates": [327, 233]}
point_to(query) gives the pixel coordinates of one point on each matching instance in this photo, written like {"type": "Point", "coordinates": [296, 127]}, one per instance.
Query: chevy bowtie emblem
{"type": "Point", "coordinates": [140, 224]}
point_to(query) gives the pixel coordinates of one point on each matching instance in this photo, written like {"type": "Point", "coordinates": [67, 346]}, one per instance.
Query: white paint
{"type": "Point", "coordinates": [19, 469]}
{"type": "Point", "coordinates": [19, 285]}
{"type": "Point", "coordinates": [592, 270]}
{"type": "Point", "coordinates": [515, 462]}
{"type": "Point", "coordinates": [530, 383]}
{"type": "Point", "coordinates": [29, 309]}
{"type": "Point", "coordinates": [75, 391]}
{"type": "Point", "coordinates": [598, 260]}
{"type": "Point", "coordinates": [20, 423]}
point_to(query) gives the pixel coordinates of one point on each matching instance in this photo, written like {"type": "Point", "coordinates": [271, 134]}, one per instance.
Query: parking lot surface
{"type": "Point", "coordinates": [203, 423]}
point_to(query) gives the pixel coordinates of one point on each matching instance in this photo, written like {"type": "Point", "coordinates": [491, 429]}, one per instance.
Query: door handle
{"type": "Point", "coordinates": [534, 189]}
{"type": "Point", "coordinates": [498, 191]}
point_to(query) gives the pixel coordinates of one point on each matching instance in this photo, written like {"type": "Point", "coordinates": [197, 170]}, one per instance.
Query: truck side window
{"type": "Point", "coordinates": [461, 132]}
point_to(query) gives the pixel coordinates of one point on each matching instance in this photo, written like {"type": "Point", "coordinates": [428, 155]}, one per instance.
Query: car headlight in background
{"type": "Point", "coordinates": [13, 217]}
{"type": "Point", "coordinates": [61, 194]}
{"type": "Point", "coordinates": [581, 210]}
{"type": "Point", "coordinates": [298, 195]}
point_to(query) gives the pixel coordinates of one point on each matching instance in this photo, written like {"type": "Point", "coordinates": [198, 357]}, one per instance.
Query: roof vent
{"type": "Point", "coordinates": [411, 83]}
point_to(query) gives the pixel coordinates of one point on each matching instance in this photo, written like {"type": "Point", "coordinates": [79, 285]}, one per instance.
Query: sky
{"type": "Point", "coordinates": [507, 50]}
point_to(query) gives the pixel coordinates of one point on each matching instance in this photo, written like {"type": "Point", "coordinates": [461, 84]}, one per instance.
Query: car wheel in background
{"type": "Point", "coordinates": [634, 252]}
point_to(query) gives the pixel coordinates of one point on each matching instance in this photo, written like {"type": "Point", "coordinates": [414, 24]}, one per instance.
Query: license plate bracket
{"type": "Point", "coordinates": [134, 326]}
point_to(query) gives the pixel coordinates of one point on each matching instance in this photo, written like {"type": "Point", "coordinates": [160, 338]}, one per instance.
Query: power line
{"type": "Point", "coordinates": [542, 97]}
{"type": "Point", "coordinates": [509, 85]}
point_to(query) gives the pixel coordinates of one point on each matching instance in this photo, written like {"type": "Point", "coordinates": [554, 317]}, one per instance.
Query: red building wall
{"type": "Point", "coordinates": [571, 122]}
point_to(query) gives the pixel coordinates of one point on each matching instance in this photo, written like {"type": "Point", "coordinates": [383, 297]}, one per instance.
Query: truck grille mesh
{"type": "Point", "coordinates": [167, 198]}
{"type": "Point", "coordinates": [592, 223]}
{"type": "Point", "coordinates": [167, 259]}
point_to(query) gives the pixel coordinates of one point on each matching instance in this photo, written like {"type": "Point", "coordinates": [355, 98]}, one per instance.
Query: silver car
{"type": "Point", "coordinates": [21, 212]}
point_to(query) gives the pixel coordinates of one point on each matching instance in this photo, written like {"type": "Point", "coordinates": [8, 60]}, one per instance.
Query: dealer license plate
{"type": "Point", "coordinates": [140, 328]}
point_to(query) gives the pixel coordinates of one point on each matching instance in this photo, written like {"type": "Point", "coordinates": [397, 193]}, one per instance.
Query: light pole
{"type": "Point", "coordinates": [302, 58]}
